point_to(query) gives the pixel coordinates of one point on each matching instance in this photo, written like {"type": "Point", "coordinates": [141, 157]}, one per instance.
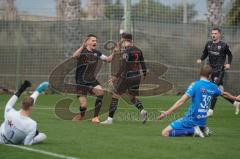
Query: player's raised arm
{"type": "Point", "coordinates": [12, 101]}
{"type": "Point", "coordinates": [33, 135]}
{"type": "Point", "coordinates": [77, 53]}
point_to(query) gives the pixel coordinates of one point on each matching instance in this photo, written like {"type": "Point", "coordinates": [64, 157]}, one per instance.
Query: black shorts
{"type": "Point", "coordinates": [217, 77]}
{"type": "Point", "coordinates": [85, 88]}
{"type": "Point", "coordinates": [131, 84]}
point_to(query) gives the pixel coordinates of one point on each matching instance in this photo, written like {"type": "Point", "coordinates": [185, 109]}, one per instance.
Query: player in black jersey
{"type": "Point", "coordinates": [217, 51]}
{"type": "Point", "coordinates": [128, 77]}
{"type": "Point", "coordinates": [87, 65]}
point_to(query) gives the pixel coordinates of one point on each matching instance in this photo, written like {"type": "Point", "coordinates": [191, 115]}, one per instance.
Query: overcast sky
{"type": "Point", "coordinates": [47, 7]}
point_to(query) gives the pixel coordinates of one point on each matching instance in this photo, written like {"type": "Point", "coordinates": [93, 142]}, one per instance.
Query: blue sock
{"type": "Point", "coordinates": [182, 132]}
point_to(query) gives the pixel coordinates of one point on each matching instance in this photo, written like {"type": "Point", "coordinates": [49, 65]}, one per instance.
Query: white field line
{"type": "Point", "coordinates": [130, 108]}
{"type": "Point", "coordinates": [41, 151]}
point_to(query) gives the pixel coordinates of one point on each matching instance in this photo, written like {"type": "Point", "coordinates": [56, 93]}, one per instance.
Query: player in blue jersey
{"type": "Point", "coordinates": [194, 121]}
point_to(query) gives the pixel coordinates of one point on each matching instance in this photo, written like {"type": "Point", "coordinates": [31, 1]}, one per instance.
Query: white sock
{"type": "Point", "coordinates": [210, 110]}
{"type": "Point", "coordinates": [35, 95]}
{"type": "Point", "coordinates": [39, 138]}
{"type": "Point", "coordinates": [235, 103]}
{"type": "Point", "coordinates": [109, 118]}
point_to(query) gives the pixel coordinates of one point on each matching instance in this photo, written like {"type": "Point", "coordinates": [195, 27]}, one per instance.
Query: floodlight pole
{"type": "Point", "coordinates": [184, 3]}
{"type": "Point", "coordinates": [127, 16]}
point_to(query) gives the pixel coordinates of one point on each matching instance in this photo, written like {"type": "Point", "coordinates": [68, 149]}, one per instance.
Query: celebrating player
{"type": "Point", "coordinates": [88, 60]}
{"type": "Point", "coordinates": [194, 121]}
{"type": "Point", "coordinates": [17, 127]}
{"type": "Point", "coordinates": [128, 77]}
{"type": "Point", "coordinates": [217, 51]}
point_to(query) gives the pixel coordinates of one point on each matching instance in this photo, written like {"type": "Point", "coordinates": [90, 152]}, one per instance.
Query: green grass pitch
{"type": "Point", "coordinates": [127, 137]}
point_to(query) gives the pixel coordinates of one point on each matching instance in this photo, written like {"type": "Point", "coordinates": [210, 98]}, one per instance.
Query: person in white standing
{"type": "Point", "coordinates": [18, 127]}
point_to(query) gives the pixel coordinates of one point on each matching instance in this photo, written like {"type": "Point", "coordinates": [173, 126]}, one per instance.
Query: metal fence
{"type": "Point", "coordinates": [31, 46]}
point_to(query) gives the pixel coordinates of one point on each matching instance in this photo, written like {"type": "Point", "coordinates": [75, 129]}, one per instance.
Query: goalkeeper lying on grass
{"type": "Point", "coordinates": [17, 127]}
{"type": "Point", "coordinates": [193, 123]}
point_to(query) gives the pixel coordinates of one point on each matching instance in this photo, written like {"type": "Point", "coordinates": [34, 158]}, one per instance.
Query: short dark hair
{"type": "Point", "coordinates": [27, 103]}
{"type": "Point", "coordinates": [206, 71]}
{"type": "Point", "coordinates": [91, 35]}
{"type": "Point", "coordinates": [127, 36]}
{"type": "Point", "coordinates": [216, 28]}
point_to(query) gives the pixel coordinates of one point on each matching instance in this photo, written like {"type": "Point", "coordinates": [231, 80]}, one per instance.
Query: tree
{"type": "Point", "coordinates": [151, 10]}
{"type": "Point", "coordinates": [215, 16]}
{"type": "Point", "coordinates": [96, 9]}
{"type": "Point", "coordinates": [233, 16]}
{"type": "Point", "coordinates": [68, 11]}
{"type": "Point", "coordinates": [114, 10]}
{"type": "Point", "coordinates": [9, 9]}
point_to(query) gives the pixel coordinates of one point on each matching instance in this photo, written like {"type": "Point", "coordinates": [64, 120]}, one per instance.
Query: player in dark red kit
{"type": "Point", "coordinates": [88, 60]}
{"type": "Point", "coordinates": [128, 77]}
{"type": "Point", "coordinates": [217, 51]}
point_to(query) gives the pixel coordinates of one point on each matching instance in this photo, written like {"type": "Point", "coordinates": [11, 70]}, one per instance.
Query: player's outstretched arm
{"type": "Point", "coordinates": [12, 101]}
{"type": "Point", "coordinates": [175, 106]}
{"type": "Point", "coordinates": [107, 58]}
{"type": "Point", "coordinates": [230, 96]}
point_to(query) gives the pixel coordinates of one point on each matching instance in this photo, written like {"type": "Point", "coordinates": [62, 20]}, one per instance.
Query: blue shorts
{"type": "Point", "coordinates": [181, 124]}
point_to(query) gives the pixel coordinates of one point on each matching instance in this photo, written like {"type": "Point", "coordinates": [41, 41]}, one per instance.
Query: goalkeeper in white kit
{"type": "Point", "coordinates": [18, 127]}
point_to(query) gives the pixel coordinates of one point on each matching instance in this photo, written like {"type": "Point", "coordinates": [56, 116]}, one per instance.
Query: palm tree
{"type": "Point", "coordinates": [60, 7]}
{"type": "Point", "coordinates": [215, 17]}
{"type": "Point", "coordinates": [9, 10]}
{"type": "Point", "coordinates": [96, 9]}
{"type": "Point", "coordinates": [68, 12]}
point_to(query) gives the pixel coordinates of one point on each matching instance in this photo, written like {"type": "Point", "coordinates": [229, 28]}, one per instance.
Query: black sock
{"type": "Point", "coordinates": [98, 105]}
{"type": "Point", "coordinates": [138, 104]}
{"type": "Point", "coordinates": [22, 88]}
{"type": "Point", "coordinates": [82, 110]}
{"type": "Point", "coordinates": [213, 102]}
{"type": "Point", "coordinates": [113, 107]}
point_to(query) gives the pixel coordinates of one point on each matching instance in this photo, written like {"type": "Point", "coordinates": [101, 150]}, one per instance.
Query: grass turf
{"type": "Point", "coordinates": [127, 137]}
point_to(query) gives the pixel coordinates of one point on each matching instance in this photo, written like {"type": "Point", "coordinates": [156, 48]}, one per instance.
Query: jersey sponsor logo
{"type": "Point", "coordinates": [214, 53]}
{"type": "Point", "coordinates": [10, 123]}
{"type": "Point", "coordinates": [201, 116]}
{"type": "Point", "coordinates": [202, 110]}
{"type": "Point", "coordinates": [203, 90]}
{"type": "Point", "coordinates": [219, 47]}
{"type": "Point", "coordinates": [124, 56]}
